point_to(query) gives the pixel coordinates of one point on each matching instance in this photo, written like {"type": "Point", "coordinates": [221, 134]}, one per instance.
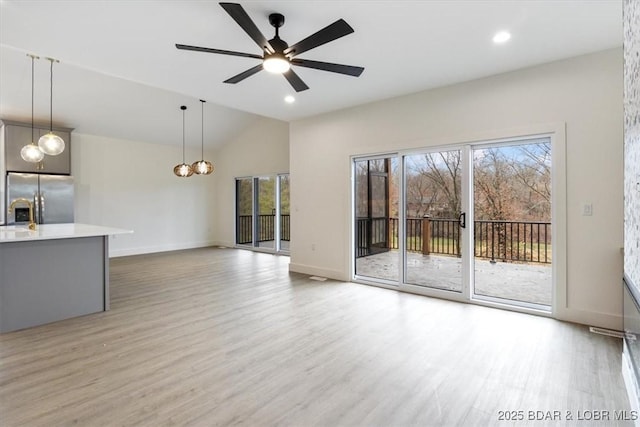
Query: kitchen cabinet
{"type": "Point", "coordinates": [54, 272]}
{"type": "Point", "coordinates": [17, 135]}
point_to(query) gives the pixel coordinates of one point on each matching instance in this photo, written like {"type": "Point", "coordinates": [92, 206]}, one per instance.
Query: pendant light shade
{"type": "Point", "coordinates": [31, 152]}
{"type": "Point", "coordinates": [183, 170]}
{"type": "Point", "coordinates": [51, 143]}
{"type": "Point", "coordinates": [202, 167]}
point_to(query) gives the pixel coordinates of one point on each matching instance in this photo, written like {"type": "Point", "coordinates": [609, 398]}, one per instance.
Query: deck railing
{"type": "Point", "coordinates": [526, 241]}
{"type": "Point", "coordinates": [266, 228]}
{"type": "Point", "coordinates": [372, 236]}
{"type": "Point", "coordinates": [515, 241]}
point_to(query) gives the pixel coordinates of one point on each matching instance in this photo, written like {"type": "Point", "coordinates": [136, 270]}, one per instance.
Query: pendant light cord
{"type": "Point", "coordinates": [183, 108]}
{"type": "Point", "coordinates": [33, 61]}
{"type": "Point", "coordinates": [32, 68]}
{"type": "Point", "coordinates": [51, 97]}
{"type": "Point", "coordinates": [202, 140]}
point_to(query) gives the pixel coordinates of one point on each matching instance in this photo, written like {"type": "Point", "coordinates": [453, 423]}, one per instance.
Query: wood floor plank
{"type": "Point", "coordinates": [229, 337]}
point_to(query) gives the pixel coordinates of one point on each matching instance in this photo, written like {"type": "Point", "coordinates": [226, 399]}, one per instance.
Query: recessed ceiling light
{"type": "Point", "coordinates": [501, 37]}
{"type": "Point", "coordinates": [289, 99]}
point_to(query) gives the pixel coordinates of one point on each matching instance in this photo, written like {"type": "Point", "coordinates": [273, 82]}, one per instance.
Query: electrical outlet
{"type": "Point", "coordinates": [313, 246]}
{"type": "Point", "coordinates": [587, 209]}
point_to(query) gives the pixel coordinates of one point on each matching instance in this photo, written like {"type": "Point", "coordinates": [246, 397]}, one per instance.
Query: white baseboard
{"type": "Point", "coordinates": [590, 318]}
{"type": "Point", "coordinates": [630, 382]}
{"type": "Point", "coordinates": [315, 271]}
{"type": "Point", "coordinates": [115, 253]}
{"type": "Point", "coordinates": [225, 244]}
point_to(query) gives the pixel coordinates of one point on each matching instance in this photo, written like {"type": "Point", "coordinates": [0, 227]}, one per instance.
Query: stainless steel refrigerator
{"type": "Point", "coordinates": [51, 195]}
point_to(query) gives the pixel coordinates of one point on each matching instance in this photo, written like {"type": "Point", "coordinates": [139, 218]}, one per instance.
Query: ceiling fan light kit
{"type": "Point", "coordinates": [276, 63]}
{"type": "Point", "coordinates": [277, 55]}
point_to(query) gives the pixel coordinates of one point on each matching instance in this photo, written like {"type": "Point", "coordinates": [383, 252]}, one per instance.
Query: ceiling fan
{"type": "Point", "coordinates": [277, 55]}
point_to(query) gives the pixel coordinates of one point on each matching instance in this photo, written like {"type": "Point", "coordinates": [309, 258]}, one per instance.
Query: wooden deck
{"type": "Point", "coordinates": [211, 337]}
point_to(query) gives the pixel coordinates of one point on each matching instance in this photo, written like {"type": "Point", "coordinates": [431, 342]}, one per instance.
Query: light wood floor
{"type": "Point", "coordinates": [226, 337]}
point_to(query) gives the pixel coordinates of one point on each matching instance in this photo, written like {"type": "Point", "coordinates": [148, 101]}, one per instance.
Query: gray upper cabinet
{"type": "Point", "coordinates": [17, 135]}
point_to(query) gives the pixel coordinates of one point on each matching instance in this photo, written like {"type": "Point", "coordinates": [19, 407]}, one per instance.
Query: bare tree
{"type": "Point", "coordinates": [421, 195]}
{"type": "Point", "coordinates": [533, 172]}
{"type": "Point", "coordinates": [494, 192]}
{"type": "Point", "coordinates": [441, 178]}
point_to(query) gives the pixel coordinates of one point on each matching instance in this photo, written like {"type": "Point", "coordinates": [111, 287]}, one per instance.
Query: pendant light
{"type": "Point", "coordinates": [183, 170]}
{"type": "Point", "coordinates": [31, 152]}
{"type": "Point", "coordinates": [51, 143]}
{"type": "Point", "coordinates": [202, 167]}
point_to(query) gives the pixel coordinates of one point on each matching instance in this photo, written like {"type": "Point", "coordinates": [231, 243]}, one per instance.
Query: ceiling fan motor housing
{"type": "Point", "coordinates": [276, 20]}
{"type": "Point", "coordinates": [278, 44]}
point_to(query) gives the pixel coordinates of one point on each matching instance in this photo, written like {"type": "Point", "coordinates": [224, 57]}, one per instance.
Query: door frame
{"type": "Point", "coordinates": [380, 282]}
{"type": "Point", "coordinates": [556, 132]}
{"type": "Point", "coordinates": [254, 244]}
{"type": "Point", "coordinates": [425, 290]}
{"type": "Point", "coordinates": [510, 142]}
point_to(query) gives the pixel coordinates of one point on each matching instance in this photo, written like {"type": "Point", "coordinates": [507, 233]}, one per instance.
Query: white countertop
{"type": "Point", "coordinates": [20, 233]}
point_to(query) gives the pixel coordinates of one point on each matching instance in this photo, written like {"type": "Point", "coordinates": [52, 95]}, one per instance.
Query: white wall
{"type": "Point", "coordinates": [131, 185]}
{"type": "Point", "coordinates": [585, 93]}
{"type": "Point", "coordinates": [632, 144]}
{"type": "Point", "coordinates": [260, 149]}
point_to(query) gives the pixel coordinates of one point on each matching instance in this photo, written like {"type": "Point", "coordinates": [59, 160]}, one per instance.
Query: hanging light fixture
{"type": "Point", "coordinates": [202, 167]}
{"type": "Point", "coordinates": [31, 152]}
{"type": "Point", "coordinates": [183, 170]}
{"type": "Point", "coordinates": [51, 143]}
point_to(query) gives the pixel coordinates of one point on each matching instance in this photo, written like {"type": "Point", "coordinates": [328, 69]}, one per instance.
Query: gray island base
{"type": "Point", "coordinates": [54, 273]}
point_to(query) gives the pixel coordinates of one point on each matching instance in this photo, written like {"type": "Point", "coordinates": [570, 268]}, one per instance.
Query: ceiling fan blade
{"type": "Point", "coordinates": [211, 50]}
{"type": "Point", "coordinates": [240, 16]}
{"type": "Point", "coordinates": [338, 29]}
{"type": "Point", "coordinates": [295, 81]}
{"type": "Point", "coordinates": [349, 70]}
{"type": "Point", "coordinates": [243, 75]}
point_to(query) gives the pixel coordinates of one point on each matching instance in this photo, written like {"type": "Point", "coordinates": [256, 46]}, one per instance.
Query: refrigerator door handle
{"type": "Point", "coordinates": [36, 208]}
{"type": "Point", "coordinates": [41, 216]}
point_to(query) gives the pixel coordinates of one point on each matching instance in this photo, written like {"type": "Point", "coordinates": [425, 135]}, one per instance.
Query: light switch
{"type": "Point", "coordinates": [587, 209]}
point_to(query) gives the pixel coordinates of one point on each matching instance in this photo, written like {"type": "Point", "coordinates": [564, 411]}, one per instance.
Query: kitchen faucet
{"type": "Point", "coordinates": [32, 223]}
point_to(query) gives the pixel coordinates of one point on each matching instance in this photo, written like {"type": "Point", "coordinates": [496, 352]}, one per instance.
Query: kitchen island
{"type": "Point", "coordinates": [55, 272]}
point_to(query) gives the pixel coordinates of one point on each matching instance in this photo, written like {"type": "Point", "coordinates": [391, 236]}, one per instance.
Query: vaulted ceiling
{"type": "Point", "coordinates": [121, 76]}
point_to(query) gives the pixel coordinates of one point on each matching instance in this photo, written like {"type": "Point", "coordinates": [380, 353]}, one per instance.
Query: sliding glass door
{"type": "Point", "coordinates": [266, 212]}
{"type": "Point", "coordinates": [244, 211]}
{"type": "Point", "coordinates": [433, 213]}
{"type": "Point", "coordinates": [474, 224]}
{"type": "Point", "coordinates": [262, 212]}
{"type": "Point", "coordinates": [376, 218]}
{"type": "Point", "coordinates": [512, 227]}
{"type": "Point", "coordinates": [285, 213]}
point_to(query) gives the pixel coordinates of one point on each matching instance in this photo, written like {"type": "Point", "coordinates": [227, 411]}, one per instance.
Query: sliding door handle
{"type": "Point", "coordinates": [462, 219]}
